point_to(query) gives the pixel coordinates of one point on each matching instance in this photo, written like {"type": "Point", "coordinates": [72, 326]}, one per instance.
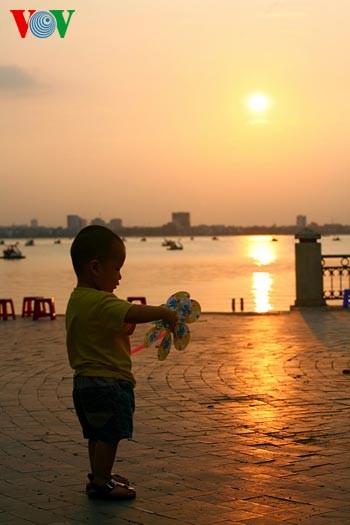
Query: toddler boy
{"type": "Point", "coordinates": [98, 326]}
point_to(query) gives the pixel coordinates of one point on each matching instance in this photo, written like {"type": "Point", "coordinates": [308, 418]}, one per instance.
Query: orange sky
{"type": "Point", "coordinates": [142, 110]}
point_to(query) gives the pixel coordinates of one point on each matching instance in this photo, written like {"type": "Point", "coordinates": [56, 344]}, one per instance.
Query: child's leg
{"type": "Point", "coordinates": [103, 486]}
{"type": "Point", "coordinates": [116, 477]}
{"type": "Point", "coordinates": [92, 443]}
{"type": "Point", "coordinates": [104, 453]}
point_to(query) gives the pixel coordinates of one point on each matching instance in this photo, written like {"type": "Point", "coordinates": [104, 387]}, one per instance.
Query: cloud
{"type": "Point", "coordinates": [16, 80]}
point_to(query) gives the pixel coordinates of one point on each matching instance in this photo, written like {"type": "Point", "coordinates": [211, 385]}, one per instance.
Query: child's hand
{"type": "Point", "coordinates": [171, 318]}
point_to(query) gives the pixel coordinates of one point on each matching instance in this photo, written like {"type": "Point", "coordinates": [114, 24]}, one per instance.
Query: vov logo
{"type": "Point", "coordinates": [42, 24]}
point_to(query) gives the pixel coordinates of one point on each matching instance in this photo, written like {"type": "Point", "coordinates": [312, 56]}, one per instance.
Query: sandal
{"type": "Point", "coordinates": [112, 490]}
{"type": "Point", "coordinates": [114, 477]}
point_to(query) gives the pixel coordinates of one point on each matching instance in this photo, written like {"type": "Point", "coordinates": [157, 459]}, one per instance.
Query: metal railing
{"type": "Point", "coordinates": [336, 276]}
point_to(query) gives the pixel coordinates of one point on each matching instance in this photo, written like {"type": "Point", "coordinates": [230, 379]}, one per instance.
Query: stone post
{"type": "Point", "coordinates": [308, 269]}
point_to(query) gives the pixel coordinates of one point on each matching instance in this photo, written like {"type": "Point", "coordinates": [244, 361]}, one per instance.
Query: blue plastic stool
{"type": "Point", "coordinates": [346, 297]}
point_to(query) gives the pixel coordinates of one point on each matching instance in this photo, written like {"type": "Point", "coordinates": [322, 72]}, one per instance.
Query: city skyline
{"type": "Point", "coordinates": [236, 110]}
{"type": "Point", "coordinates": [79, 222]}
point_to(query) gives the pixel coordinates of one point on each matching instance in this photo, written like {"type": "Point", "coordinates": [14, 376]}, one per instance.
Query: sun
{"type": "Point", "coordinates": [258, 103]}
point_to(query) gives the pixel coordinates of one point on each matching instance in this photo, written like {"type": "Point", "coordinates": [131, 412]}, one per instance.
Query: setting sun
{"type": "Point", "coordinates": [258, 103]}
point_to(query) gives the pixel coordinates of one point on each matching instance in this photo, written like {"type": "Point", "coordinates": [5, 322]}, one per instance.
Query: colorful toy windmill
{"type": "Point", "coordinates": [188, 311]}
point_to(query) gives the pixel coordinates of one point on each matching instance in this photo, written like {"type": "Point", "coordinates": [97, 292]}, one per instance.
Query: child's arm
{"type": "Point", "coordinates": [139, 313]}
{"type": "Point", "coordinates": [129, 328]}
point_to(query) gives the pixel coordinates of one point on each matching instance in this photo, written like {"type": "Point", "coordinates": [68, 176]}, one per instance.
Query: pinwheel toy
{"type": "Point", "coordinates": [188, 311]}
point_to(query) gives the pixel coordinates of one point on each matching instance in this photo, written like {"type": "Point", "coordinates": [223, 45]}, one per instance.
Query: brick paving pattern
{"type": "Point", "coordinates": [248, 425]}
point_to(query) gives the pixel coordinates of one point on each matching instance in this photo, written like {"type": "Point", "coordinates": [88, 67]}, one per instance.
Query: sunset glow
{"type": "Point", "coordinates": [214, 108]}
{"type": "Point", "coordinates": [258, 103]}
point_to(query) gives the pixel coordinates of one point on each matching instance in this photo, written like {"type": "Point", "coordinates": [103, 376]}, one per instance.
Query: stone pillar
{"type": "Point", "coordinates": [308, 269]}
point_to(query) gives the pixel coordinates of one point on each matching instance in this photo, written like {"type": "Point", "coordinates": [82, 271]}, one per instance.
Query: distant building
{"type": "Point", "coordinates": [98, 222]}
{"type": "Point", "coordinates": [115, 224]}
{"type": "Point", "coordinates": [301, 221]}
{"type": "Point", "coordinates": [75, 224]}
{"type": "Point", "coordinates": [34, 223]}
{"type": "Point", "coordinates": [181, 220]}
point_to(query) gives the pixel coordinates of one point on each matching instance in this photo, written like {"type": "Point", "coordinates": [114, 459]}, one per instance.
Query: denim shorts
{"type": "Point", "coordinates": [105, 407]}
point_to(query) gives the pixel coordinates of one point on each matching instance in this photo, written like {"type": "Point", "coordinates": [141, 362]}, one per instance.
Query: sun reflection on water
{"type": "Point", "coordinates": [261, 287]}
{"type": "Point", "coordinates": [262, 250]}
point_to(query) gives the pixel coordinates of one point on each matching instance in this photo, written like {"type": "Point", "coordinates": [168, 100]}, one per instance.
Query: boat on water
{"type": "Point", "coordinates": [336, 239]}
{"type": "Point", "coordinates": [215, 238]}
{"type": "Point", "coordinates": [274, 239]}
{"type": "Point", "coordinates": [173, 245]}
{"type": "Point", "coordinates": [12, 252]}
{"type": "Point", "coordinates": [167, 242]}
{"type": "Point", "coordinates": [143, 239]}
{"type": "Point", "coordinates": [57, 241]}
{"type": "Point", "coordinates": [30, 242]}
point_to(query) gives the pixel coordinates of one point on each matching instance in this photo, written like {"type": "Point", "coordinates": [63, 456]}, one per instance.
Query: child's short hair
{"type": "Point", "coordinates": [92, 242]}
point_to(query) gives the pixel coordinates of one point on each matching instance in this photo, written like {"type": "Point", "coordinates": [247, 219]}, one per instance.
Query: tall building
{"type": "Point", "coordinates": [115, 224]}
{"type": "Point", "coordinates": [301, 221]}
{"type": "Point", "coordinates": [34, 223]}
{"type": "Point", "coordinates": [181, 219]}
{"type": "Point", "coordinates": [75, 224]}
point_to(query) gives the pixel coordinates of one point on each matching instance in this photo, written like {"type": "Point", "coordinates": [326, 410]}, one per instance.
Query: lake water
{"type": "Point", "coordinates": [252, 267]}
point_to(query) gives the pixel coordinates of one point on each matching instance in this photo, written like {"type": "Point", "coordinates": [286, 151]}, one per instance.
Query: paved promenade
{"type": "Point", "coordinates": [248, 425]}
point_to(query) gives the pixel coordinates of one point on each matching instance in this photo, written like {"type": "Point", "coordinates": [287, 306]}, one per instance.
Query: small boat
{"type": "Point", "coordinates": [12, 252]}
{"type": "Point", "coordinates": [274, 239]}
{"type": "Point", "coordinates": [192, 238]}
{"type": "Point", "coordinates": [30, 242]}
{"type": "Point", "coordinates": [175, 245]}
{"type": "Point", "coordinates": [336, 239]}
{"type": "Point", "coordinates": [214, 238]}
{"type": "Point", "coordinates": [167, 242]}
{"type": "Point", "coordinates": [2, 242]}
{"type": "Point", "coordinates": [143, 239]}
{"type": "Point", "coordinates": [57, 241]}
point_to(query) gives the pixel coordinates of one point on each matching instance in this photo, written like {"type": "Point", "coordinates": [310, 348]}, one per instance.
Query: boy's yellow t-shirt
{"type": "Point", "coordinates": [96, 343]}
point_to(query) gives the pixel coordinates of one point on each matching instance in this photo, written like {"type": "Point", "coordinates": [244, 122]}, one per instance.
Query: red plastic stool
{"type": "Point", "coordinates": [133, 299]}
{"type": "Point", "coordinates": [4, 314]}
{"type": "Point", "coordinates": [40, 308]}
{"type": "Point", "coordinates": [28, 305]}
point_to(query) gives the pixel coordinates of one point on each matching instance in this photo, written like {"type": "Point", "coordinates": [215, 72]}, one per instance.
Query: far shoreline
{"type": "Point", "coordinates": [60, 233]}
